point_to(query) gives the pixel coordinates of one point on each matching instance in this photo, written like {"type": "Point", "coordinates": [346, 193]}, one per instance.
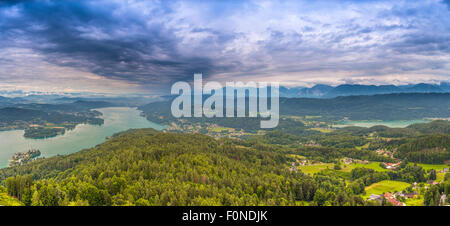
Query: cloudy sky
{"type": "Point", "coordinates": [145, 46]}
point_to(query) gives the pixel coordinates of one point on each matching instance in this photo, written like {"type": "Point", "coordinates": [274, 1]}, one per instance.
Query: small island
{"type": "Point", "coordinates": [44, 132]}
{"type": "Point", "coordinates": [21, 158]}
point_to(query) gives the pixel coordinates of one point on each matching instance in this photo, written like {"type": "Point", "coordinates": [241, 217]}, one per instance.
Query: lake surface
{"type": "Point", "coordinates": [84, 136]}
{"type": "Point", "coordinates": [392, 124]}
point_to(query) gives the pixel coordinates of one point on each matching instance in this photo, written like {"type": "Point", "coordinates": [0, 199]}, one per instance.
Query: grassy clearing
{"type": "Point", "coordinates": [322, 130]}
{"type": "Point", "coordinates": [221, 129]}
{"type": "Point", "coordinates": [414, 202]}
{"type": "Point", "coordinates": [372, 165]}
{"type": "Point", "coordinates": [440, 177]}
{"type": "Point", "coordinates": [363, 147]}
{"type": "Point", "coordinates": [6, 200]}
{"type": "Point", "coordinates": [437, 167]}
{"type": "Point", "coordinates": [296, 156]}
{"type": "Point", "coordinates": [312, 169]}
{"type": "Point", "coordinates": [386, 186]}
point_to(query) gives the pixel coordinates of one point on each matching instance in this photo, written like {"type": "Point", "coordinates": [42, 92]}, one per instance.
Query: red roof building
{"type": "Point", "coordinates": [387, 195]}
{"type": "Point", "coordinates": [396, 202]}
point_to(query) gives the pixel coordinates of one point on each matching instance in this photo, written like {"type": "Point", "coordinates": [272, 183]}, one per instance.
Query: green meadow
{"type": "Point", "coordinates": [372, 165]}
{"type": "Point", "coordinates": [221, 129]}
{"type": "Point", "coordinates": [322, 130]}
{"type": "Point", "coordinates": [312, 169]}
{"type": "Point", "coordinates": [6, 200]}
{"type": "Point", "coordinates": [437, 167]}
{"type": "Point", "coordinates": [414, 202]}
{"type": "Point", "coordinates": [385, 186]}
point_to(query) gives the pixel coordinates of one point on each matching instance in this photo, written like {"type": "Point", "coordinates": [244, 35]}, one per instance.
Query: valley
{"type": "Point", "coordinates": [312, 162]}
{"type": "Point", "coordinates": [82, 136]}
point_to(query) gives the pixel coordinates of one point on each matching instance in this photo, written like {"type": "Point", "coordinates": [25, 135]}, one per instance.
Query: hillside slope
{"type": "Point", "coordinates": [145, 167]}
{"type": "Point", "coordinates": [6, 200]}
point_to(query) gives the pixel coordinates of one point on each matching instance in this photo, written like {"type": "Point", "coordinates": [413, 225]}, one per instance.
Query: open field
{"type": "Point", "coordinates": [372, 165]}
{"type": "Point", "coordinates": [385, 186]}
{"type": "Point", "coordinates": [437, 167]}
{"type": "Point", "coordinates": [312, 169]}
{"type": "Point", "coordinates": [440, 177]}
{"type": "Point", "coordinates": [322, 130]}
{"type": "Point", "coordinates": [221, 129]}
{"type": "Point", "coordinates": [414, 202]}
{"type": "Point", "coordinates": [5, 200]}
{"type": "Point", "coordinates": [363, 146]}
{"type": "Point", "coordinates": [298, 157]}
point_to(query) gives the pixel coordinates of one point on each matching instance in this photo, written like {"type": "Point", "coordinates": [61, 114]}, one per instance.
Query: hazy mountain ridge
{"type": "Point", "coordinates": [326, 91]}
{"type": "Point", "coordinates": [399, 106]}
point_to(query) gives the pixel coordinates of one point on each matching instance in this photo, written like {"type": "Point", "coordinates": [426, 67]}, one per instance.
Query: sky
{"type": "Point", "coordinates": [145, 46]}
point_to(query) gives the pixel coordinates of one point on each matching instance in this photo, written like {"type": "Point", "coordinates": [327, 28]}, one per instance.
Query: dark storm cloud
{"type": "Point", "coordinates": [423, 44]}
{"type": "Point", "coordinates": [79, 34]}
{"type": "Point", "coordinates": [155, 43]}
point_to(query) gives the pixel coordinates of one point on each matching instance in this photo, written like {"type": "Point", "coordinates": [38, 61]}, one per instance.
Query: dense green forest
{"type": "Point", "coordinates": [426, 149]}
{"type": "Point", "coordinates": [376, 107]}
{"type": "Point", "coordinates": [146, 167]}
{"type": "Point", "coordinates": [43, 132]}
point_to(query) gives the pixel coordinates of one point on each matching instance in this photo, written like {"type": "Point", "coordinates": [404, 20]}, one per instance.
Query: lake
{"type": "Point", "coordinates": [84, 136]}
{"type": "Point", "coordinates": [370, 123]}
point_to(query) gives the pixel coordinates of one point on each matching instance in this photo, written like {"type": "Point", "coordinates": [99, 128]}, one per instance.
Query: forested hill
{"type": "Point", "coordinates": [47, 120]}
{"type": "Point", "coordinates": [54, 113]}
{"type": "Point", "coordinates": [145, 167]}
{"type": "Point", "coordinates": [426, 149]}
{"type": "Point", "coordinates": [402, 106]}
{"type": "Point", "coordinates": [76, 106]}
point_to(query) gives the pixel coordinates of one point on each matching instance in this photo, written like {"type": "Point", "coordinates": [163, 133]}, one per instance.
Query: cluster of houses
{"type": "Point", "coordinates": [385, 153]}
{"type": "Point", "coordinates": [432, 182]}
{"type": "Point", "coordinates": [293, 167]}
{"type": "Point", "coordinates": [303, 162]}
{"type": "Point", "coordinates": [312, 143]}
{"type": "Point", "coordinates": [208, 127]}
{"type": "Point", "coordinates": [21, 158]}
{"type": "Point", "coordinates": [350, 160]}
{"type": "Point", "coordinates": [392, 166]}
{"type": "Point", "coordinates": [393, 197]}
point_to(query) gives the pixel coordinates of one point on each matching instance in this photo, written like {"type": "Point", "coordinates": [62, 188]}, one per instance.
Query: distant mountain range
{"type": "Point", "coordinates": [8, 98]}
{"type": "Point", "coordinates": [59, 99]}
{"type": "Point", "coordinates": [326, 91]}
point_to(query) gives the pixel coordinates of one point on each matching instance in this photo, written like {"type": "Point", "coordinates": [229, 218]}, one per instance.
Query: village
{"type": "Point", "coordinates": [209, 129]}
{"type": "Point", "coordinates": [400, 197]}
{"type": "Point", "coordinates": [21, 158]}
{"type": "Point", "coordinates": [408, 194]}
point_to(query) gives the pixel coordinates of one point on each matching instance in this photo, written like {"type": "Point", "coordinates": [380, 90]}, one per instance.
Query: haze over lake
{"type": "Point", "coordinates": [84, 136]}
